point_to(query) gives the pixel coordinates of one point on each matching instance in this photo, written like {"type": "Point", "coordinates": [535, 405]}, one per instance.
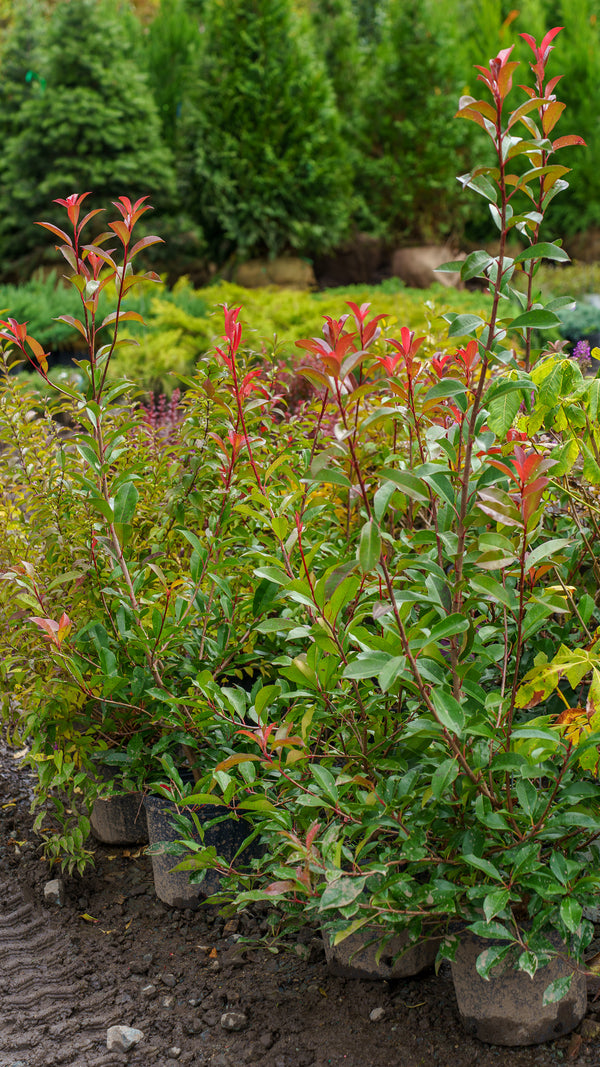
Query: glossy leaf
{"type": "Point", "coordinates": [537, 319]}
{"type": "Point", "coordinates": [557, 989]}
{"type": "Point", "coordinates": [125, 503]}
{"type": "Point", "coordinates": [449, 711]}
{"type": "Point", "coordinates": [341, 892]}
{"type": "Point", "coordinates": [544, 250]}
{"type": "Point", "coordinates": [369, 549]}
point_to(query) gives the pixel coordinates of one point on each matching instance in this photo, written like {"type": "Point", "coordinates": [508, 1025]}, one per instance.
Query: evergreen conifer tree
{"type": "Point", "coordinates": [265, 168]}
{"type": "Point", "coordinates": [173, 37]}
{"type": "Point", "coordinates": [411, 144]}
{"type": "Point", "coordinates": [20, 58]}
{"type": "Point", "coordinates": [335, 28]}
{"type": "Point", "coordinates": [92, 125]}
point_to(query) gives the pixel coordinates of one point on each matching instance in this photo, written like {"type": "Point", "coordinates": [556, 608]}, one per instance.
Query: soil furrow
{"type": "Point", "coordinates": [18, 915]}
{"type": "Point", "coordinates": [53, 991]}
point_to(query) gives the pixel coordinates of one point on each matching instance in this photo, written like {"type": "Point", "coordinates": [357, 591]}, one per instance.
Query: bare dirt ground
{"type": "Point", "coordinates": [112, 954]}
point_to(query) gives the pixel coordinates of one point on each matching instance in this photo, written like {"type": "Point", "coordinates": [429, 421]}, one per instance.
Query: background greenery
{"type": "Point", "coordinates": [183, 323]}
{"type": "Point", "coordinates": [267, 126]}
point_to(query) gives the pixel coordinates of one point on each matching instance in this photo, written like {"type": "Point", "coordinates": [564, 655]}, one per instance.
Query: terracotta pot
{"type": "Point", "coordinates": [174, 887]}
{"type": "Point", "coordinates": [356, 956]}
{"type": "Point", "coordinates": [507, 1009]}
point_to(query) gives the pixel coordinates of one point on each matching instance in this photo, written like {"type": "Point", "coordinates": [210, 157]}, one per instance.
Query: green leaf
{"type": "Point", "coordinates": [561, 303]}
{"type": "Point", "coordinates": [484, 583]}
{"type": "Point", "coordinates": [342, 892]}
{"type": "Point", "coordinates": [543, 552]}
{"type": "Point", "coordinates": [586, 607]}
{"type": "Point", "coordinates": [266, 696]}
{"type": "Point", "coordinates": [443, 777]}
{"type": "Point", "coordinates": [494, 903]}
{"type": "Point", "coordinates": [487, 959]}
{"type": "Point", "coordinates": [480, 184]}
{"type": "Point", "coordinates": [487, 868]}
{"type": "Point", "coordinates": [451, 267]}
{"type": "Point", "coordinates": [528, 962]}
{"type": "Point", "coordinates": [265, 594]}
{"type": "Point", "coordinates": [408, 484]}
{"type": "Point", "coordinates": [272, 574]}
{"type": "Point", "coordinates": [326, 781]}
{"type": "Point", "coordinates": [444, 388]}
{"type": "Point", "coordinates": [565, 457]}
{"type": "Point", "coordinates": [571, 913]}
{"type": "Point", "coordinates": [503, 411]}
{"type": "Point", "coordinates": [544, 250]}
{"type": "Point", "coordinates": [257, 804]}
{"type": "Point", "coordinates": [191, 537]}
{"type": "Point", "coordinates": [537, 319]}
{"type": "Point", "coordinates": [390, 672]}
{"type": "Point", "coordinates": [453, 624]}
{"type": "Point", "coordinates": [369, 549]}
{"type": "Point", "coordinates": [382, 498]}
{"type": "Point", "coordinates": [331, 476]}
{"type": "Point", "coordinates": [275, 626]}
{"type": "Point", "coordinates": [557, 990]}
{"type": "Point", "coordinates": [366, 665]}
{"type": "Point", "coordinates": [493, 930]}
{"type": "Point", "coordinates": [449, 711]}
{"type": "Point", "coordinates": [501, 386]}
{"type": "Point", "coordinates": [475, 265]}
{"type": "Point", "coordinates": [99, 504]}
{"type": "Point", "coordinates": [527, 797]}
{"type": "Point", "coordinates": [125, 503]}
{"type": "Point", "coordinates": [88, 455]}
{"type": "Point", "coordinates": [465, 325]}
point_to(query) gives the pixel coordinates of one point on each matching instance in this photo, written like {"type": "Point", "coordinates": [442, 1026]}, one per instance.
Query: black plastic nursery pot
{"type": "Point", "coordinates": [508, 1008]}
{"type": "Point", "coordinates": [174, 887]}
{"type": "Point", "coordinates": [120, 820]}
{"type": "Point", "coordinates": [362, 954]}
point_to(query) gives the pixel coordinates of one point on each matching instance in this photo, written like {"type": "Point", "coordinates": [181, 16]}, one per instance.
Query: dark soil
{"type": "Point", "coordinates": [113, 954]}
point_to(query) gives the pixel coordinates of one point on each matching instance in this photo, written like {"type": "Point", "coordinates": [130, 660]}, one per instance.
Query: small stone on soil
{"type": "Point", "coordinates": [377, 1015]}
{"type": "Point", "coordinates": [54, 891]}
{"type": "Point", "coordinates": [168, 1002]}
{"type": "Point", "coordinates": [139, 966]}
{"type": "Point", "coordinates": [590, 1030]}
{"type": "Point", "coordinates": [234, 1020]}
{"type": "Point", "coordinates": [148, 991]}
{"type": "Point", "coordinates": [211, 1018]}
{"type": "Point", "coordinates": [174, 1052]}
{"type": "Point", "coordinates": [122, 1038]}
{"type": "Point", "coordinates": [193, 1026]}
{"type": "Point", "coordinates": [169, 980]}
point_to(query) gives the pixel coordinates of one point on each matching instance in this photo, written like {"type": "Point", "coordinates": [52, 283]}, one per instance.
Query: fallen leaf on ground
{"type": "Point", "coordinates": [574, 1047]}
{"type": "Point", "coordinates": [593, 964]}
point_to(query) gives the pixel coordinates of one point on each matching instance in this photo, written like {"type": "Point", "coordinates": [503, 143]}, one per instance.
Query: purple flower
{"type": "Point", "coordinates": [581, 353]}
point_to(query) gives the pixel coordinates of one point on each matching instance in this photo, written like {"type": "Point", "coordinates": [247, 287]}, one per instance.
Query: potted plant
{"type": "Point", "coordinates": [131, 577]}
{"type": "Point", "coordinates": [434, 570]}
